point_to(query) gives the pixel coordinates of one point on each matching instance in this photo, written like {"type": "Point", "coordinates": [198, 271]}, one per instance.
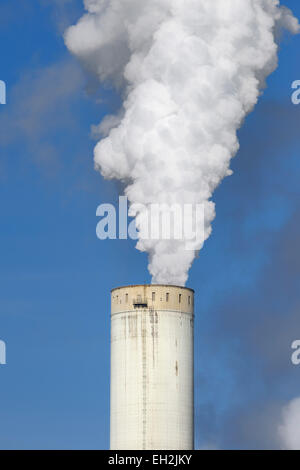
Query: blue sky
{"type": "Point", "coordinates": [56, 276]}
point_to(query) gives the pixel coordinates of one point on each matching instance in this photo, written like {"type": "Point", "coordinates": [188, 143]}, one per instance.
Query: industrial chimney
{"type": "Point", "coordinates": [152, 379]}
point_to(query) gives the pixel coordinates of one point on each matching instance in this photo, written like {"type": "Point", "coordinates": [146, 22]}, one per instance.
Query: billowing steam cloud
{"type": "Point", "coordinates": [190, 71]}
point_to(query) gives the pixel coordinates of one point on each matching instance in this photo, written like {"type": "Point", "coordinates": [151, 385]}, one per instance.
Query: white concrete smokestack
{"type": "Point", "coordinates": [152, 362]}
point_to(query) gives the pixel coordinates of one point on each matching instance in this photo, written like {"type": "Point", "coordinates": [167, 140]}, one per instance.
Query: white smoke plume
{"type": "Point", "coordinates": [189, 71]}
{"type": "Point", "coordinates": [289, 429]}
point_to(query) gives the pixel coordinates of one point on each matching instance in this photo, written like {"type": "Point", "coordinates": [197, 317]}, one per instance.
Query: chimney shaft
{"type": "Point", "coordinates": [152, 376]}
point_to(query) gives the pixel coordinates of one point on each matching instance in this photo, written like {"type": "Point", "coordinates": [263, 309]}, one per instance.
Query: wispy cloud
{"type": "Point", "coordinates": [289, 428]}
{"type": "Point", "coordinates": [39, 107]}
{"type": "Point", "coordinates": [256, 327]}
{"type": "Point", "coordinates": [64, 12]}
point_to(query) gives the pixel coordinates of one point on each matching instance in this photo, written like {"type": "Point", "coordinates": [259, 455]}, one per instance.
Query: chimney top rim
{"type": "Point", "coordinates": [152, 285]}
